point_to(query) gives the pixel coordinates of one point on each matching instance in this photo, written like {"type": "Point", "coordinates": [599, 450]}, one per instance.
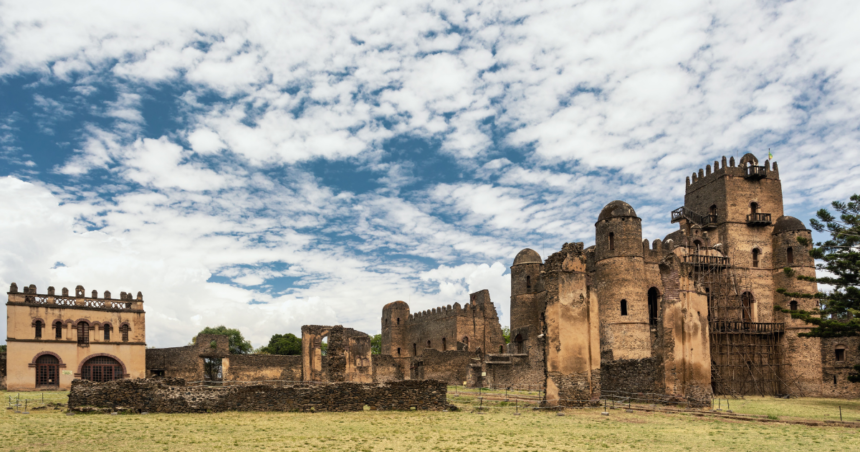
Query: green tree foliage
{"type": "Point", "coordinates": [2, 349]}
{"type": "Point", "coordinates": [839, 260]}
{"type": "Point", "coordinates": [238, 344]}
{"type": "Point", "coordinates": [506, 333]}
{"type": "Point", "coordinates": [376, 345]}
{"type": "Point", "coordinates": [283, 344]}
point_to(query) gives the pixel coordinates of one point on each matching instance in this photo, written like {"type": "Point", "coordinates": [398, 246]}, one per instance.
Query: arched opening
{"type": "Point", "coordinates": [38, 325]}
{"type": "Point", "coordinates": [713, 211]}
{"type": "Point", "coordinates": [324, 345]}
{"type": "Point", "coordinates": [103, 368]}
{"type": "Point", "coordinates": [756, 254]}
{"type": "Point", "coordinates": [124, 330]}
{"type": "Point", "coordinates": [58, 330]}
{"type": "Point", "coordinates": [793, 305]}
{"type": "Point", "coordinates": [518, 344]}
{"type": "Point", "coordinates": [747, 306]}
{"type": "Point", "coordinates": [47, 371]}
{"type": "Point", "coordinates": [444, 344]}
{"type": "Point", "coordinates": [501, 349]}
{"type": "Point", "coordinates": [840, 353]}
{"type": "Point", "coordinates": [465, 342]}
{"type": "Point", "coordinates": [106, 329]}
{"type": "Point", "coordinates": [428, 344]}
{"type": "Point", "coordinates": [83, 333]}
{"type": "Point", "coordinates": [653, 296]}
{"type": "Point", "coordinates": [611, 241]}
{"type": "Point", "coordinates": [698, 245]}
{"type": "Point", "coordinates": [753, 208]}
{"type": "Point", "coordinates": [398, 351]}
{"type": "Point", "coordinates": [623, 307]}
{"type": "Point", "coordinates": [789, 256]}
{"type": "Point", "coordinates": [528, 282]}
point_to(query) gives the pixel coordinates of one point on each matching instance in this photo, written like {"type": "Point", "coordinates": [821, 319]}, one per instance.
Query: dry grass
{"type": "Point", "coordinates": [498, 429]}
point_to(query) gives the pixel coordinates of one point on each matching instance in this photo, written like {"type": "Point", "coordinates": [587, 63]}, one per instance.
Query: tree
{"type": "Point", "coordinates": [238, 344]}
{"type": "Point", "coordinates": [506, 334]}
{"type": "Point", "coordinates": [839, 315]}
{"type": "Point", "coordinates": [2, 349]}
{"type": "Point", "coordinates": [376, 345]}
{"type": "Point", "coordinates": [283, 344]}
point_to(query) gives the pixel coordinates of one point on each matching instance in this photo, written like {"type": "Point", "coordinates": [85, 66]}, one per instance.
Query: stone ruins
{"type": "Point", "coordinates": [685, 317]}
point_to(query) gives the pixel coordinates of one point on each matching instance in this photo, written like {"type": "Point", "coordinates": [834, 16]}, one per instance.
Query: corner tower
{"type": "Point", "coordinates": [526, 298]}
{"type": "Point", "coordinates": [620, 284]}
{"type": "Point", "coordinates": [394, 330]}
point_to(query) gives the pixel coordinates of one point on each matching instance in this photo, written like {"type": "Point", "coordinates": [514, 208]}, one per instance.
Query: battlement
{"type": "Point", "coordinates": [747, 168]}
{"type": "Point", "coordinates": [479, 302]}
{"type": "Point", "coordinates": [30, 295]}
{"type": "Point", "coordinates": [657, 250]}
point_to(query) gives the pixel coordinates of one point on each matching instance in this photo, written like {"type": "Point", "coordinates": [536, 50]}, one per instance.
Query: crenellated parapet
{"type": "Point", "coordinates": [30, 296]}
{"type": "Point", "coordinates": [748, 167]}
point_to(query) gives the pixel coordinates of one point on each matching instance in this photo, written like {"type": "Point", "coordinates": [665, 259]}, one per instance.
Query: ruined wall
{"type": "Point", "coordinates": [263, 367]}
{"type": "Point", "coordinates": [171, 396]}
{"type": "Point", "coordinates": [835, 373]}
{"type": "Point", "coordinates": [187, 362]}
{"type": "Point", "coordinates": [347, 357]}
{"type": "Point", "coordinates": [450, 366]}
{"type": "Point", "coordinates": [389, 368]}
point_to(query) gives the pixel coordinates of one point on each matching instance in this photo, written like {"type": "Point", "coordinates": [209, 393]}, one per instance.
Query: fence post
{"type": "Point", "coordinates": [840, 413]}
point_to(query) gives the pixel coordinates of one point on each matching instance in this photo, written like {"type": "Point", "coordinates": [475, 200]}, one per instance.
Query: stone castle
{"type": "Point", "coordinates": [685, 317]}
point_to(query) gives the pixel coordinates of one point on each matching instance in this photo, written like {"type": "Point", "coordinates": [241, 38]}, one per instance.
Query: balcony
{"type": "Point", "coordinates": [705, 221]}
{"type": "Point", "coordinates": [758, 219]}
{"type": "Point", "coordinates": [703, 260]}
{"type": "Point", "coordinates": [754, 172]}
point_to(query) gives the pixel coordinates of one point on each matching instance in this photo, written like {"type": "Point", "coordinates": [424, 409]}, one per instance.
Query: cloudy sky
{"type": "Point", "coordinates": [270, 164]}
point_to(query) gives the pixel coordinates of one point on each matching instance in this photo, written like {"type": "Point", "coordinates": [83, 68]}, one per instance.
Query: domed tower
{"type": "Point", "coordinates": [622, 294]}
{"type": "Point", "coordinates": [526, 289]}
{"type": "Point", "coordinates": [802, 354]}
{"type": "Point", "coordinates": [394, 331]}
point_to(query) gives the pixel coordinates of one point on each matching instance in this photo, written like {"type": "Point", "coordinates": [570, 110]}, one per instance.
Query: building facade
{"type": "Point", "coordinates": [55, 338]}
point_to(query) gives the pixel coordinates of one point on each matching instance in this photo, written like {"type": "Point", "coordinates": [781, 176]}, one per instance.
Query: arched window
{"type": "Point", "coordinates": [444, 344]}
{"type": "Point", "coordinates": [106, 329]}
{"type": "Point", "coordinates": [428, 344]}
{"type": "Point", "coordinates": [47, 371]}
{"type": "Point", "coordinates": [38, 329]}
{"type": "Point", "coordinates": [789, 256]}
{"type": "Point", "coordinates": [611, 241]}
{"type": "Point", "coordinates": [653, 295]}
{"type": "Point", "coordinates": [528, 282]}
{"type": "Point", "coordinates": [753, 208]}
{"type": "Point", "coordinates": [713, 210]}
{"type": "Point", "coordinates": [102, 368]}
{"type": "Point", "coordinates": [398, 351]}
{"type": "Point", "coordinates": [518, 344]}
{"type": "Point", "coordinates": [840, 353]}
{"type": "Point", "coordinates": [793, 305]}
{"type": "Point", "coordinates": [58, 330]}
{"type": "Point", "coordinates": [623, 307]}
{"type": "Point", "coordinates": [124, 330]}
{"type": "Point", "coordinates": [747, 306]}
{"type": "Point", "coordinates": [755, 257]}
{"type": "Point", "coordinates": [83, 333]}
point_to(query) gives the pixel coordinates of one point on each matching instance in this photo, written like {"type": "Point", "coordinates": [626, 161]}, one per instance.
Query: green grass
{"type": "Point", "coordinates": [804, 408]}
{"type": "Point", "coordinates": [498, 429]}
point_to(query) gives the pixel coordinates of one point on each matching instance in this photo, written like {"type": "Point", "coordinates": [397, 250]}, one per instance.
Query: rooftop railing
{"type": "Point", "coordinates": [755, 172]}
{"type": "Point", "coordinates": [703, 260]}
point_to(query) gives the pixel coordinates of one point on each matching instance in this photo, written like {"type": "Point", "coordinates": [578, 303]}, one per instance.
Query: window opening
{"type": "Point", "coordinates": [444, 344]}
{"type": "Point", "coordinates": [501, 349]}
{"type": "Point", "coordinates": [623, 307]}
{"type": "Point", "coordinates": [58, 330]}
{"type": "Point", "coordinates": [101, 369]}
{"type": "Point", "coordinates": [38, 329]}
{"type": "Point", "coordinates": [653, 295]}
{"type": "Point", "coordinates": [398, 351]}
{"type": "Point", "coordinates": [428, 344]}
{"type": "Point", "coordinates": [47, 371]}
{"type": "Point", "coordinates": [124, 330]}
{"type": "Point", "coordinates": [611, 241]}
{"type": "Point", "coordinates": [753, 208]}
{"type": "Point", "coordinates": [698, 245]}
{"type": "Point", "coordinates": [755, 257]}
{"type": "Point", "coordinates": [107, 332]}
{"type": "Point", "coordinates": [840, 353]}
{"type": "Point", "coordinates": [789, 256]}
{"type": "Point", "coordinates": [793, 305]}
{"type": "Point", "coordinates": [518, 344]}
{"type": "Point", "coordinates": [398, 320]}
{"type": "Point", "coordinates": [83, 333]}
{"type": "Point", "coordinates": [212, 369]}
{"type": "Point", "coordinates": [528, 282]}
{"type": "Point", "coordinates": [747, 305]}
{"type": "Point", "coordinates": [157, 373]}
{"type": "Point", "coordinates": [414, 349]}
{"type": "Point", "coordinates": [466, 343]}
{"type": "Point", "coordinates": [834, 379]}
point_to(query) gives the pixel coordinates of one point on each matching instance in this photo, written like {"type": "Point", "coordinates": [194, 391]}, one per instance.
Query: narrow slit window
{"type": "Point", "coordinates": [611, 241]}
{"type": "Point", "coordinates": [415, 349]}
{"type": "Point", "coordinates": [398, 351]}
{"type": "Point", "coordinates": [107, 332]}
{"type": "Point", "coordinates": [840, 353]}
{"type": "Point", "coordinates": [444, 344]}
{"type": "Point", "coordinates": [623, 307]}
{"type": "Point", "coordinates": [789, 256]}
{"type": "Point", "coordinates": [58, 330]}
{"type": "Point", "coordinates": [428, 344]}
{"type": "Point", "coordinates": [528, 282]}
{"type": "Point", "coordinates": [124, 330]}
{"type": "Point", "coordinates": [398, 320]}
{"type": "Point", "coordinates": [38, 329]}
{"type": "Point", "coordinates": [755, 257]}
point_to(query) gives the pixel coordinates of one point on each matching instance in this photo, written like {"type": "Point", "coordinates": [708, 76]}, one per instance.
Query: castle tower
{"type": "Point", "coordinates": [526, 299]}
{"type": "Point", "coordinates": [394, 330]}
{"type": "Point", "coordinates": [620, 284]}
{"type": "Point", "coordinates": [735, 205]}
{"type": "Point", "coordinates": [802, 354]}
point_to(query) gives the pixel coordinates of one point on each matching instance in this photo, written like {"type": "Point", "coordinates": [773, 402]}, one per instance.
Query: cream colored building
{"type": "Point", "coordinates": [53, 339]}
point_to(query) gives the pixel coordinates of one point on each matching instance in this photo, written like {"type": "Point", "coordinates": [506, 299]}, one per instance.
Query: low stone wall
{"type": "Point", "coordinates": [167, 395]}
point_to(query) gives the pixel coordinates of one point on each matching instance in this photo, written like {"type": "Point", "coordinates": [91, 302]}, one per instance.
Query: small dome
{"type": "Point", "coordinates": [786, 223]}
{"type": "Point", "coordinates": [527, 256]}
{"type": "Point", "coordinates": [616, 209]}
{"type": "Point", "coordinates": [396, 304]}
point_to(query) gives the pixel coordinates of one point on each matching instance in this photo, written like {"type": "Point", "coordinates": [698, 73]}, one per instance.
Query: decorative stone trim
{"type": "Point", "coordinates": [96, 355]}
{"type": "Point", "coordinates": [33, 362]}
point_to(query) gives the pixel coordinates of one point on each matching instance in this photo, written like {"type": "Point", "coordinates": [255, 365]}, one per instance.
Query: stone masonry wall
{"type": "Point", "coordinates": [388, 368]}
{"type": "Point", "coordinates": [264, 367]}
{"type": "Point", "coordinates": [164, 395]}
{"type": "Point", "coordinates": [451, 366]}
{"type": "Point", "coordinates": [632, 376]}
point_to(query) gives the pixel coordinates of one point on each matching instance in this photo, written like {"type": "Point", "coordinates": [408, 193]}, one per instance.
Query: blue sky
{"type": "Point", "coordinates": [275, 164]}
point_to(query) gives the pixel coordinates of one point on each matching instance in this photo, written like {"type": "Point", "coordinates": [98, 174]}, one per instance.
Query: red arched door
{"type": "Point", "coordinates": [47, 371]}
{"type": "Point", "coordinates": [101, 368]}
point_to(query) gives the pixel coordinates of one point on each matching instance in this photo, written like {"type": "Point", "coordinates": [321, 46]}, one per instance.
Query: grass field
{"type": "Point", "coordinates": [498, 429]}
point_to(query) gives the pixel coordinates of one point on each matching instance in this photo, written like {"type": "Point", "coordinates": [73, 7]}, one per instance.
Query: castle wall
{"type": "Point", "coordinates": [451, 366]}
{"type": "Point", "coordinates": [835, 373]}
{"type": "Point", "coordinates": [389, 368]}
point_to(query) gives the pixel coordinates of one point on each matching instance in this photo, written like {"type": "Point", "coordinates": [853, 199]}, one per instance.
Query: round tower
{"type": "Point", "coordinates": [526, 285]}
{"type": "Point", "coordinates": [619, 281]}
{"type": "Point", "coordinates": [394, 333]}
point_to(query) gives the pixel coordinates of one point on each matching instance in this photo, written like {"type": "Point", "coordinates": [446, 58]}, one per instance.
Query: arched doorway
{"type": "Point", "coordinates": [465, 343]}
{"type": "Point", "coordinates": [653, 296]}
{"type": "Point", "coordinates": [747, 306]}
{"type": "Point", "coordinates": [101, 369]}
{"type": "Point", "coordinates": [518, 344]}
{"type": "Point", "coordinates": [47, 371]}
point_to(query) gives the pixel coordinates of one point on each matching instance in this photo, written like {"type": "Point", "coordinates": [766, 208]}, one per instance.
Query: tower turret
{"type": "Point", "coordinates": [394, 318]}
{"type": "Point", "coordinates": [526, 298]}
